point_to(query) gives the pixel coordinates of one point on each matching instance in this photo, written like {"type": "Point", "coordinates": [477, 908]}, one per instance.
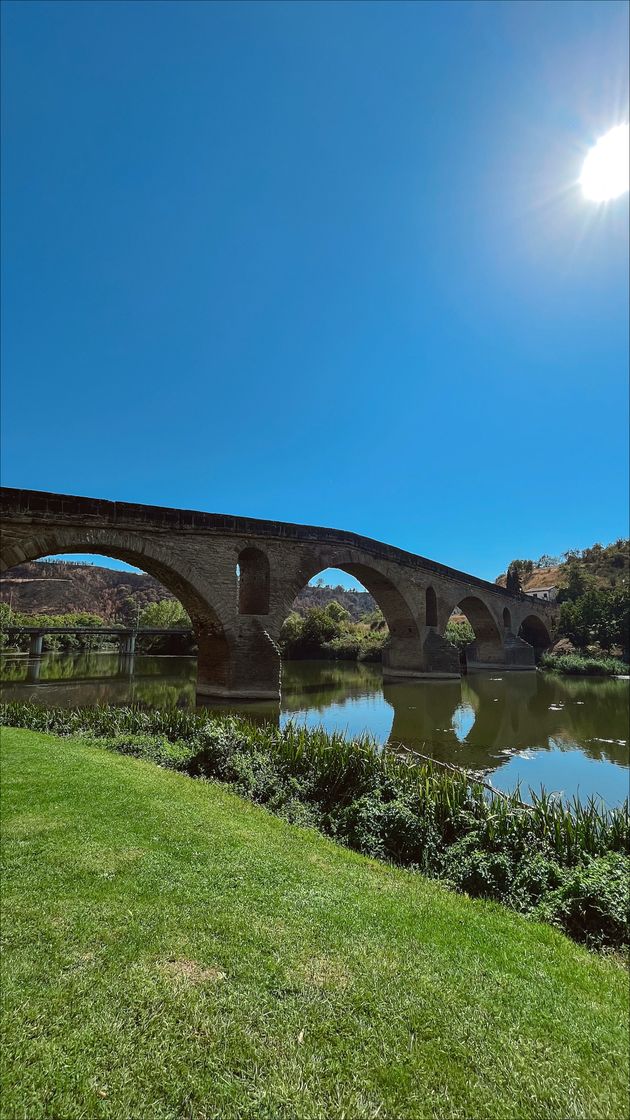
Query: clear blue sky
{"type": "Point", "coordinates": [323, 263]}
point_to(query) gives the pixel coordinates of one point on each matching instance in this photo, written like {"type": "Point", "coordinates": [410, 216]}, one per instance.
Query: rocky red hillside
{"type": "Point", "coordinates": [61, 587]}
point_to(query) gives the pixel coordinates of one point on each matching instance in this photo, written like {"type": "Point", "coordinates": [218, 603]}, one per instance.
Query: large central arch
{"type": "Point", "coordinates": [396, 610]}
{"type": "Point", "coordinates": [214, 654]}
{"type": "Point", "coordinates": [402, 652]}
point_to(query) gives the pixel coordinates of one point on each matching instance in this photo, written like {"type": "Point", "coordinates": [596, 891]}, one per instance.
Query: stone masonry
{"type": "Point", "coordinates": [237, 577]}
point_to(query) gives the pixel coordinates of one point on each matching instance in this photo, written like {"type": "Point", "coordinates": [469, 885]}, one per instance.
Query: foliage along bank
{"type": "Point", "coordinates": [564, 864]}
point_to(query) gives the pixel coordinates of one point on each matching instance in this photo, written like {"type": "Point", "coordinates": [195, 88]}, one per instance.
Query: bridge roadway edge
{"type": "Point", "coordinates": [125, 515]}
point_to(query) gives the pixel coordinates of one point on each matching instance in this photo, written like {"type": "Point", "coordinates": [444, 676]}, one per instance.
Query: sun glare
{"type": "Point", "coordinates": [605, 171]}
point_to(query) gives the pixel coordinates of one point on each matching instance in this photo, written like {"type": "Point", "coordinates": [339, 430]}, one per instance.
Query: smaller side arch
{"type": "Point", "coordinates": [534, 631]}
{"type": "Point", "coordinates": [431, 611]}
{"type": "Point", "coordinates": [254, 581]}
{"type": "Point", "coordinates": [507, 619]}
{"type": "Point", "coordinates": [487, 647]}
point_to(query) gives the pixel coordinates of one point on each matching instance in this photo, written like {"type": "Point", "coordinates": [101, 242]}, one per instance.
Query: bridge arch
{"type": "Point", "coordinates": [214, 652]}
{"type": "Point", "coordinates": [534, 631]}
{"type": "Point", "coordinates": [507, 619]}
{"type": "Point", "coordinates": [399, 616]}
{"type": "Point", "coordinates": [253, 581]}
{"type": "Point", "coordinates": [487, 647]}
{"type": "Point", "coordinates": [402, 651]}
{"type": "Point", "coordinates": [430, 606]}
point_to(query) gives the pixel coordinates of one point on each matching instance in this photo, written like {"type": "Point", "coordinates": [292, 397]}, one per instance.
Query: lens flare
{"type": "Point", "coordinates": [605, 171]}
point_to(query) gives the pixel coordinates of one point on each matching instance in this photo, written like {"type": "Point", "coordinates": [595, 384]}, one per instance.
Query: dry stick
{"type": "Point", "coordinates": [462, 770]}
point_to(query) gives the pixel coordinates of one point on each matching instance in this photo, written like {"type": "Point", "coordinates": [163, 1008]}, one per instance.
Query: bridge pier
{"type": "Point", "coordinates": [243, 664]}
{"type": "Point", "coordinates": [127, 646]}
{"type": "Point", "coordinates": [36, 645]}
{"type": "Point", "coordinates": [34, 670]}
{"type": "Point", "coordinates": [511, 654]}
{"type": "Point", "coordinates": [431, 656]}
{"type": "Point", "coordinates": [126, 663]}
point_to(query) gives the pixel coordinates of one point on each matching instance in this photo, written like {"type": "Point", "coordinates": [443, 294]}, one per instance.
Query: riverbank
{"type": "Point", "coordinates": [175, 950]}
{"type": "Point", "coordinates": [567, 865]}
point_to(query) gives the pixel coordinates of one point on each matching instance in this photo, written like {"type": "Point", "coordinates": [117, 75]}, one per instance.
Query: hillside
{"type": "Point", "coordinates": [607, 566]}
{"type": "Point", "coordinates": [62, 587]}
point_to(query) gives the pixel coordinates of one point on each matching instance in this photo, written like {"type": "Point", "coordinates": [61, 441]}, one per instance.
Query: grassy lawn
{"type": "Point", "coordinates": [173, 951]}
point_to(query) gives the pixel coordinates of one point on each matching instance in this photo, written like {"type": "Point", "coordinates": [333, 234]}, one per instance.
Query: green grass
{"type": "Point", "coordinates": [171, 950]}
{"type": "Point", "coordinates": [580, 665]}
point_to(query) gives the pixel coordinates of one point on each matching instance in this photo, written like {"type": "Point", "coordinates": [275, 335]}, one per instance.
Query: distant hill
{"type": "Point", "coordinates": [61, 587]}
{"type": "Point", "coordinates": [607, 565]}
{"type": "Point", "coordinates": [357, 603]}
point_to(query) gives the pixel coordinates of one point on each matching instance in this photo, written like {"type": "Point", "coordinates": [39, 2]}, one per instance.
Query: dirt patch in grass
{"type": "Point", "coordinates": [191, 971]}
{"type": "Point", "coordinates": [324, 972]}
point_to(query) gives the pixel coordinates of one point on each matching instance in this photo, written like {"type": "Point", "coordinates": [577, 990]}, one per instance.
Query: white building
{"type": "Point", "coordinates": [547, 593]}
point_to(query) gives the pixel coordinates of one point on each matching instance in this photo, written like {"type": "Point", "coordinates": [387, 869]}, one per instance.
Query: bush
{"type": "Point", "coordinates": [574, 664]}
{"type": "Point", "coordinates": [478, 872]}
{"type": "Point", "coordinates": [387, 829]}
{"type": "Point", "coordinates": [329, 633]}
{"type": "Point", "coordinates": [172, 755]}
{"type": "Point", "coordinates": [592, 903]}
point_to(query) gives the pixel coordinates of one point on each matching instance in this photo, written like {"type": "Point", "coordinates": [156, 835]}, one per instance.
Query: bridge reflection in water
{"type": "Point", "coordinates": [478, 722]}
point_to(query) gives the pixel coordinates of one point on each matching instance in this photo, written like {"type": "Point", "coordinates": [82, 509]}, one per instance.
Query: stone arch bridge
{"type": "Point", "coordinates": [238, 577]}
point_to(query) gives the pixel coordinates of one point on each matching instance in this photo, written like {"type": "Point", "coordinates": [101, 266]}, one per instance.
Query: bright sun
{"type": "Point", "coordinates": [605, 171]}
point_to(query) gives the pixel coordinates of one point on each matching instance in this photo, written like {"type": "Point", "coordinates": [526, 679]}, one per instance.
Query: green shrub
{"type": "Point", "coordinates": [172, 755]}
{"type": "Point", "coordinates": [592, 903]}
{"type": "Point", "coordinates": [478, 871]}
{"type": "Point", "coordinates": [576, 664]}
{"type": "Point", "coordinates": [387, 829]}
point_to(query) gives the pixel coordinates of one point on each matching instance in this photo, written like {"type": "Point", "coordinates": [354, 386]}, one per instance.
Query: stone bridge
{"type": "Point", "coordinates": [238, 577]}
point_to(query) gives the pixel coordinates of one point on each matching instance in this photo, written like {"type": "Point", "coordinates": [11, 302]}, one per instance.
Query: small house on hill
{"type": "Point", "coordinates": [549, 594]}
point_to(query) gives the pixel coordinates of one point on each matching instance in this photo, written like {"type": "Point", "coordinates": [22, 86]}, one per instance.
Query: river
{"type": "Point", "coordinates": [568, 734]}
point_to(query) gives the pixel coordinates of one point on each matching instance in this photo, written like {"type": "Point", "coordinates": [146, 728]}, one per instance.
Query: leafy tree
{"type": "Point", "coordinates": [319, 627]}
{"type": "Point", "coordinates": [599, 615]}
{"type": "Point", "coordinates": [546, 561]}
{"type": "Point", "coordinates": [459, 633]}
{"type": "Point", "coordinates": [168, 614]}
{"type": "Point", "coordinates": [513, 580]}
{"type": "Point", "coordinates": [329, 632]}
{"type": "Point", "coordinates": [291, 631]}
{"type": "Point", "coordinates": [374, 619]}
{"type": "Point", "coordinates": [577, 582]}
{"type": "Point", "coordinates": [337, 612]}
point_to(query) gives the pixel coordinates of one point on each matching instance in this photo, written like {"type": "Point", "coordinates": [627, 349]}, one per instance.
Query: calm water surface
{"type": "Point", "coordinates": [569, 734]}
